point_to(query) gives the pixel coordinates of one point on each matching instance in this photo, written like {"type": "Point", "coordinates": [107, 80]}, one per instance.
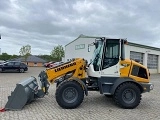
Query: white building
{"type": "Point", "coordinates": [147, 55]}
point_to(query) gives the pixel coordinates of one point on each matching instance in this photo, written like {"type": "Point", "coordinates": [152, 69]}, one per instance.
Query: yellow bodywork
{"type": "Point", "coordinates": [126, 67]}
{"type": "Point", "coordinates": [76, 67]}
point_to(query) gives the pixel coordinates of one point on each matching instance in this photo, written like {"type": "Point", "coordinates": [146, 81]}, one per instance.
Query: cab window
{"type": "Point", "coordinates": [111, 55]}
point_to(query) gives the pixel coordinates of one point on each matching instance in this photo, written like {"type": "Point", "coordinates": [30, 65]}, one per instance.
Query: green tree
{"type": "Point", "coordinates": [25, 51]}
{"type": "Point", "coordinates": [46, 57]}
{"type": "Point", "coordinates": [14, 56]}
{"type": "Point", "coordinates": [5, 56]}
{"type": "Point", "coordinates": [57, 53]}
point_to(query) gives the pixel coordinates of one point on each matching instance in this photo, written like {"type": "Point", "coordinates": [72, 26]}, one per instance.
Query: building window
{"type": "Point", "coordinates": [81, 46]}
{"type": "Point", "coordinates": [137, 56]}
{"type": "Point", "coordinates": [35, 64]}
{"type": "Point", "coordinates": [152, 61]}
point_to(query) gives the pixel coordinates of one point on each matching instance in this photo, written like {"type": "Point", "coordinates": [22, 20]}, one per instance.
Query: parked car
{"type": "Point", "coordinates": [2, 61]}
{"type": "Point", "coordinates": [55, 64]}
{"type": "Point", "coordinates": [48, 64]}
{"type": "Point", "coordinates": [12, 66]}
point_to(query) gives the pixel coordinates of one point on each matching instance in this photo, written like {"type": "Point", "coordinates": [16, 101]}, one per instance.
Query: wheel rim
{"type": "Point", "coordinates": [70, 95]}
{"type": "Point", "coordinates": [21, 70]}
{"type": "Point", "coordinates": [129, 96]}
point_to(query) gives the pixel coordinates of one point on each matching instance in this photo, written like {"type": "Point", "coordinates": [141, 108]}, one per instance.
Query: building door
{"type": "Point", "coordinates": [137, 56]}
{"type": "Point", "coordinates": [152, 62]}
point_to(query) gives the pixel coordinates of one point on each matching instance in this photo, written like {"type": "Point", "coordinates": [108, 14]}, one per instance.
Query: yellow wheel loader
{"type": "Point", "coordinates": [109, 73]}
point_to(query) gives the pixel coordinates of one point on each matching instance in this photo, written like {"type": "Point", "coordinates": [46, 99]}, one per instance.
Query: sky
{"type": "Point", "coordinates": [44, 24]}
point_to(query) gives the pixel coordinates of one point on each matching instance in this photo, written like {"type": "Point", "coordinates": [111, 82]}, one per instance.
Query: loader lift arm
{"type": "Point", "coordinates": [74, 68]}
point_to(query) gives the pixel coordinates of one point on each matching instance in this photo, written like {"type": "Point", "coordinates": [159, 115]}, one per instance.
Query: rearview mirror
{"type": "Point", "coordinates": [89, 49]}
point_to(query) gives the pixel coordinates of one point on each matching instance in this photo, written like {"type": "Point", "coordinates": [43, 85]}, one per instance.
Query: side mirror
{"type": "Point", "coordinates": [89, 49]}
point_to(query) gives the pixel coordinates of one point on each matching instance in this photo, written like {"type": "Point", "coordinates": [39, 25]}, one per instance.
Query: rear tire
{"type": "Point", "coordinates": [1, 70]}
{"type": "Point", "coordinates": [127, 95]}
{"type": "Point", "coordinates": [69, 94]}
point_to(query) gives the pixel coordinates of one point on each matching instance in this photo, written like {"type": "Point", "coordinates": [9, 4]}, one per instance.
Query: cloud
{"type": "Point", "coordinates": [45, 24]}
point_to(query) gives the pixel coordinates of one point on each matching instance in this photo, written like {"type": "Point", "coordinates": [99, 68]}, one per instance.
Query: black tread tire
{"type": "Point", "coordinates": [134, 89]}
{"type": "Point", "coordinates": [59, 94]}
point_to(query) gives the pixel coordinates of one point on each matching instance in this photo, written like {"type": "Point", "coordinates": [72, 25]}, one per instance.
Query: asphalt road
{"type": "Point", "coordinates": [94, 107]}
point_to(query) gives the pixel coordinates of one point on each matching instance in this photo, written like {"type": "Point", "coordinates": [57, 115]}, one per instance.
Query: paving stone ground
{"type": "Point", "coordinates": [94, 107]}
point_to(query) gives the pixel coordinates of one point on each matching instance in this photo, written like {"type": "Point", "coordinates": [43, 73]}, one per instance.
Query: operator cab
{"type": "Point", "coordinates": [106, 57]}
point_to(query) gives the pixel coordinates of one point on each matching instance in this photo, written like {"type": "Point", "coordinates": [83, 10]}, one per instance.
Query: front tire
{"type": "Point", "coordinates": [21, 70]}
{"type": "Point", "coordinates": [69, 94]}
{"type": "Point", "coordinates": [127, 95]}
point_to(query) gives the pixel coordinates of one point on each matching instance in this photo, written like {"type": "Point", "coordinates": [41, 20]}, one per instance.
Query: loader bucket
{"type": "Point", "coordinates": [24, 93]}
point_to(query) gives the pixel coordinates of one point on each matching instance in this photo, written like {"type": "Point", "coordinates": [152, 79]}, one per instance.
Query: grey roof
{"type": "Point", "coordinates": [31, 58]}
{"type": "Point", "coordinates": [129, 43]}
{"type": "Point", "coordinates": [82, 36]}
{"type": "Point", "coordinates": [143, 46]}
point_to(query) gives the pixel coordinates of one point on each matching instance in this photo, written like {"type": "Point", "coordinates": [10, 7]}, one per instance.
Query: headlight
{"type": "Point", "coordinates": [151, 87]}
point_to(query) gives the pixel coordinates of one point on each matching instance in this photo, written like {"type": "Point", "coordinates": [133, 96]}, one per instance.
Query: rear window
{"type": "Point", "coordinates": [139, 72]}
{"type": "Point", "coordinates": [23, 64]}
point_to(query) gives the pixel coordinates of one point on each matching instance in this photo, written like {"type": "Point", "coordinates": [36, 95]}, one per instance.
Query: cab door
{"type": "Point", "coordinates": [110, 60]}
